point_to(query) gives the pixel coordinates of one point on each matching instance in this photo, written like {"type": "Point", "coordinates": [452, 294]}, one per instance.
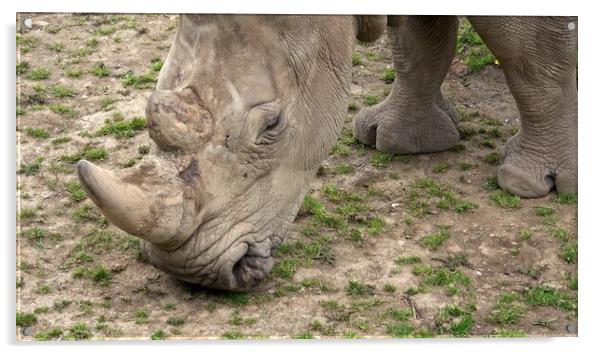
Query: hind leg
{"type": "Point", "coordinates": [539, 58]}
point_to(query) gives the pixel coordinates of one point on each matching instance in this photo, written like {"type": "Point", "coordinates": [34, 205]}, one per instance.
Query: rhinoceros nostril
{"type": "Point", "coordinates": [251, 268]}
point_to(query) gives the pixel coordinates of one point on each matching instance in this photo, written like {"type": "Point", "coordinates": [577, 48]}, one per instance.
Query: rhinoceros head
{"type": "Point", "coordinates": [245, 109]}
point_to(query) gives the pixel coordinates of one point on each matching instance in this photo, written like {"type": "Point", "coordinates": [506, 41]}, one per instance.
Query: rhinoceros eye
{"type": "Point", "coordinates": [273, 124]}
{"type": "Point", "coordinates": [271, 131]}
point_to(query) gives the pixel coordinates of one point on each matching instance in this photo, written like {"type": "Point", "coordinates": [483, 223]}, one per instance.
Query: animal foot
{"type": "Point", "coordinates": [408, 126]}
{"type": "Point", "coordinates": [533, 172]}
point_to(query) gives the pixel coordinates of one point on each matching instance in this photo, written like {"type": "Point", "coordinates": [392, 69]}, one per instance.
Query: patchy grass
{"type": "Point", "coordinates": [53, 333]}
{"type": "Point", "coordinates": [371, 100]}
{"type": "Point", "coordinates": [408, 260]}
{"type": "Point", "coordinates": [357, 288]}
{"type": "Point", "coordinates": [356, 58]}
{"type": "Point", "coordinates": [80, 331]}
{"type": "Point", "coordinates": [505, 200]}
{"type": "Point", "coordinates": [37, 133]}
{"type": "Point", "coordinates": [400, 330]}
{"type": "Point", "coordinates": [381, 160]}
{"type": "Point", "coordinates": [106, 103]}
{"type": "Point", "coordinates": [123, 129]}
{"type": "Point", "coordinates": [566, 198]}
{"type": "Point", "coordinates": [436, 240]}
{"type": "Point", "coordinates": [144, 81]}
{"type": "Point", "coordinates": [441, 167]}
{"type": "Point", "coordinates": [508, 310]}
{"type": "Point", "coordinates": [32, 168]}
{"type": "Point", "coordinates": [76, 193]}
{"type": "Point", "coordinates": [73, 73]}
{"type": "Point", "coordinates": [342, 168]}
{"type": "Point", "coordinates": [175, 321]}
{"type": "Point", "coordinates": [234, 335]}
{"type": "Point", "coordinates": [88, 213]}
{"type": "Point", "coordinates": [89, 153]}
{"type": "Point", "coordinates": [60, 91]}
{"type": "Point", "coordinates": [22, 67]}
{"type": "Point", "coordinates": [543, 295]}
{"type": "Point", "coordinates": [471, 48]}
{"type": "Point", "coordinates": [62, 109]}
{"type": "Point", "coordinates": [388, 75]}
{"type": "Point", "coordinates": [510, 333]}
{"type": "Point", "coordinates": [424, 192]}
{"type": "Point", "coordinates": [490, 183]}
{"type": "Point", "coordinates": [158, 335]}
{"type": "Point", "coordinates": [455, 320]}
{"type": "Point", "coordinates": [100, 70]}
{"type": "Point", "coordinates": [39, 74]}
{"type": "Point", "coordinates": [98, 274]}
{"type": "Point", "coordinates": [320, 215]}
{"type": "Point", "coordinates": [285, 269]}
{"type": "Point", "coordinates": [569, 252]}
{"type": "Point", "coordinates": [25, 319]}
{"type": "Point", "coordinates": [493, 158]}
{"type": "Point", "coordinates": [478, 58]}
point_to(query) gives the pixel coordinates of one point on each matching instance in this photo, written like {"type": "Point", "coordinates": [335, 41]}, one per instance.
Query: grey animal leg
{"type": "Point", "coordinates": [415, 118]}
{"type": "Point", "coordinates": [538, 56]}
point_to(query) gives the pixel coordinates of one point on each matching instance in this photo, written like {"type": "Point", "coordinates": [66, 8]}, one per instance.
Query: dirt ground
{"type": "Point", "coordinates": [426, 247]}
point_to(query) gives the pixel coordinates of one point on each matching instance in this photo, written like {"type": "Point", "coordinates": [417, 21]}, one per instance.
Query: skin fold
{"type": "Point", "coordinates": [246, 108]}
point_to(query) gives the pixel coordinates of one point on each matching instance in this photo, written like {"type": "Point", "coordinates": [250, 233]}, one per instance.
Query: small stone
{"type": "Point", "coordinates": [571, 328]}
{"type": "Point", "coordinates": [395, 205]}
{"type": "Point", "coordinates": [28, 23]}
{"type": "Point", "coordinates": [28, 331]}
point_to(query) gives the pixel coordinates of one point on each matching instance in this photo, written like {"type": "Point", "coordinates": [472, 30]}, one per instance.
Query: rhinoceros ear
{"type": "Point", "coordinates": [369, 27]}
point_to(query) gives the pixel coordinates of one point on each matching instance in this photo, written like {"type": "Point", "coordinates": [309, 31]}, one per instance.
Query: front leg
{"type": "Point", "coordinates": [415, 118]}
{"type": "Point", "coordinates": [539, 58]}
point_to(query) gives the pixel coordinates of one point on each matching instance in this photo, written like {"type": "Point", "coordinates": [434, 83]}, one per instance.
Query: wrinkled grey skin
{"type": "Point", "coordinates": [246, 108]}
{"type": "Point", "coordinates": [538, 56]}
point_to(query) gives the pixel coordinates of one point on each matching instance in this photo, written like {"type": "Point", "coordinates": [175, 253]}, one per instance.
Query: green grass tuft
{"type": "Point", "coordinates": [80, 331]}
{"type": "Point", "coordinates": [123, 129]}
{"type": "Point", "coordinates": [436, 240]}
{"type": "Point", "coordinates": [566, 198]}
{"type": "Point", "coordinates": [100, 70]}
{"type": "Point", "coordinates": [37, 133]}
{"type": "Point", "coordinates": [356, 288]}
{"type": "Point", "coordinates": [371, 100]}
{"type": "Point", "coordinates": [39, 74]}
{"type": "Point", "coordinates": [381, 160]}
{"type": "Point", "coordinates": [388, 75]}
{"type": "Point", "coordinates": [158, 335]}
{"type": "Point", "coordinates": [60, 91]}
{"type": "Point", "coordinates": [505, 200]}
{"type": "Point", "coordinates": [25, 319]}
{"type": "Point", "coordinates": [543, 295]}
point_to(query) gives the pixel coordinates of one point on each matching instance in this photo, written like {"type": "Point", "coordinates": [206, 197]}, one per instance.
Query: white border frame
{"type": "Point", "coordinates": [589, 199]}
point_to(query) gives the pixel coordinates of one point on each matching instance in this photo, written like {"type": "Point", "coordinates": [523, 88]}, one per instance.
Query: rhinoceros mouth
{"type": "Point", "coordinates": [250, 270]}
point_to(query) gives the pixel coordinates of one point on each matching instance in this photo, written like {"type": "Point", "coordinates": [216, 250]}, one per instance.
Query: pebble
{"type": "Point", "coordinates": [28, 331]}
{"type": "Point", "coordinates": [571, 328]}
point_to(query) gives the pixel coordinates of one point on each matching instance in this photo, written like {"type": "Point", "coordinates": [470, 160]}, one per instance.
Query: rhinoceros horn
{"type": "Point", "coordinates": [143, 202]}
